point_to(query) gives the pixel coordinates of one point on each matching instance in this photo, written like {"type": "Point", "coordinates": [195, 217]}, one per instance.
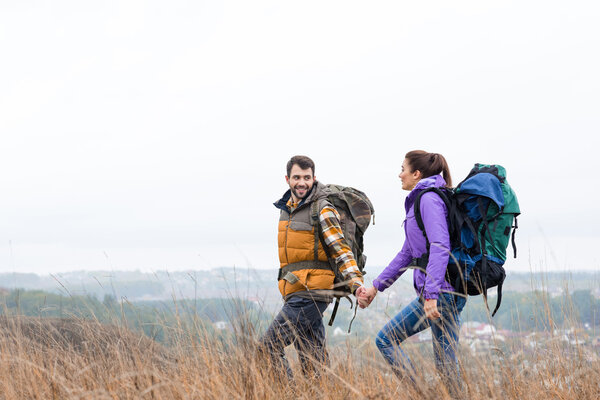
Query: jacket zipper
{"type": "Point", "coordinates": [287, 227]}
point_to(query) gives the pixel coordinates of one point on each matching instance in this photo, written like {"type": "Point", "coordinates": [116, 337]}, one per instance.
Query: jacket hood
{"type": "Point", "coordinates": [431, 181]}
{"type": "Point", "coordinates": [425, 183]}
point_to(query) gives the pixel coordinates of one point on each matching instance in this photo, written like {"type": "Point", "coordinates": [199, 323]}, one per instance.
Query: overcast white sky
{"type": "Point", "coordinates": [154, 135]}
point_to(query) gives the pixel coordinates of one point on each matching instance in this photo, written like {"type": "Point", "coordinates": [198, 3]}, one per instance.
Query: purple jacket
{"type": "Point", "coordinates": [433, 212]}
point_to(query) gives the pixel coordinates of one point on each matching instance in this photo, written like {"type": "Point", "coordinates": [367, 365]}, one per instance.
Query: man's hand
{"type": "Point", "coordinates": [365, 296]}
{"type": "Point", "coordinates": [360, 295]}
{"type": "Point", "coordinates": [431, 310]}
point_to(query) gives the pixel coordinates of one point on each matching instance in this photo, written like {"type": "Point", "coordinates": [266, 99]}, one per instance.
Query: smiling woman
{"type": "Point", "coordinates": [435, 306]}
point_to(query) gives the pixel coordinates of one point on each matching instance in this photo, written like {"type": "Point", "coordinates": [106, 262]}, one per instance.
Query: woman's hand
{"type": "Point", "coordinates": [431, 310]}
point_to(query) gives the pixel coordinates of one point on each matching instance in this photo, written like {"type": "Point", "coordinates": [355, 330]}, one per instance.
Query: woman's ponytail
{"type": "Point", "coordinates": [429, 164]}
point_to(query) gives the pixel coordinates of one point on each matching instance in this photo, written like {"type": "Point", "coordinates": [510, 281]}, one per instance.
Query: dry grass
{"type": "Point", "coordinates": [80, 359]}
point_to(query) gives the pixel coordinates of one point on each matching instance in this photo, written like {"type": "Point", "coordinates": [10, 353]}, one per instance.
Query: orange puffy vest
{"type": "Point", "coordinates": [301, 251]}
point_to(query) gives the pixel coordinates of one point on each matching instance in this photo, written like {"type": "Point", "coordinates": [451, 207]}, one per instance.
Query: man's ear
{"type": "Point", "coordinates": [287, 179]}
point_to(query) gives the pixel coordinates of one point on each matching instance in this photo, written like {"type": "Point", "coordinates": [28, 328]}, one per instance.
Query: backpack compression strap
{"type": "Point", "coordinates": [484, 261]}
{"type": "Point", "coordinates": [499, 298]}
{"type": "Point", "coordinates": [514, 246]}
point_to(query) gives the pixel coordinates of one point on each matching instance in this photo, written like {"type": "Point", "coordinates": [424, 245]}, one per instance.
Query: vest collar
{"type": "Point", "coordinates": [282, 203]}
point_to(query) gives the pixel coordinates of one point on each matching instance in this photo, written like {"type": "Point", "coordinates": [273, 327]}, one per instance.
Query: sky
{"type": "Point", "coordinates": [154, 135]}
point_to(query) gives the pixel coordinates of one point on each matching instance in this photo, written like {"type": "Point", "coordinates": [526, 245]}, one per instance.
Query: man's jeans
{"type": "Point", "coordinates": [300, 322]}
{"type": "Point", "coordinates": [412, 320]}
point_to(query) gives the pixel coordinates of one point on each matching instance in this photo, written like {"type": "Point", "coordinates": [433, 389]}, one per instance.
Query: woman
{"type": "Point", "coordinates": [436, 305]}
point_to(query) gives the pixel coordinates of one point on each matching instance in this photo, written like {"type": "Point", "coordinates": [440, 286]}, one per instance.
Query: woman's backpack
{"type": "Point", "coordinates": [482, 212]}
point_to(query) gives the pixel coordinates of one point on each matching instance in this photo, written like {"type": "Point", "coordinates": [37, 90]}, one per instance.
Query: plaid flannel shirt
{"type": "Point", "coordinates": [333, 236]}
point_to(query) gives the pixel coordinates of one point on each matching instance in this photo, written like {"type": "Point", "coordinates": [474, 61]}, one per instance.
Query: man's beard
{"type": "Point", "coordinates": [303, 196]}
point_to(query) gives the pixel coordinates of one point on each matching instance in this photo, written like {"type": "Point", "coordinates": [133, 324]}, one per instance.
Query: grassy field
{"type": "Point", "coordinates": [51, 358]}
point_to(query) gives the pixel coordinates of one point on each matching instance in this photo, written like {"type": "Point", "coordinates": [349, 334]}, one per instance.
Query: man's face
{"type": "Point", "coordinates": [300, 181]}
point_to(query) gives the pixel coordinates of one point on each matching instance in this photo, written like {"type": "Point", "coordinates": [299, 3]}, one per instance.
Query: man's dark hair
{"type": "Point", "coordinates": [302, 161]}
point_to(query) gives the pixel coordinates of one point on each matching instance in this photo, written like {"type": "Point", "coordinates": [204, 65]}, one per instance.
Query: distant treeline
{"type": "Point", "coordinates": [159, 285]}
{"type": "Point", "coordinates": [524, 312]}
{"type": "Point", "coordinates": [153, 318]}
{"type": "Point", "coordinates": [240, 282]}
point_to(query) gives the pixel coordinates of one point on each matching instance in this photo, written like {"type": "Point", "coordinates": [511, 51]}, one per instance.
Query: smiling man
{"type": "Point", "coordinates": [305, 275]}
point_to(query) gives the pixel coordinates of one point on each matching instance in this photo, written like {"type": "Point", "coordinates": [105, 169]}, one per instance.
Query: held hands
{"type": "Point", "coordinates": [431, 310]}
{"type": "Point", "coordinates": [365, 296]}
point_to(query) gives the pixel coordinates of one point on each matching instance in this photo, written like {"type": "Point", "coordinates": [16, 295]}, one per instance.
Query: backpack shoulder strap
{"type": "Point", "coordinates": [315, 211]}
{"type": "Point", "coordinates": [316, 207]}
{"type": "Point", "coordinates": [417, 208]}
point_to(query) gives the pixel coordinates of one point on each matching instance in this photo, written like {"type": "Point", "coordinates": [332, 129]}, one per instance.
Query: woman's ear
{"type": "Point", "coordinates": [417, 174]}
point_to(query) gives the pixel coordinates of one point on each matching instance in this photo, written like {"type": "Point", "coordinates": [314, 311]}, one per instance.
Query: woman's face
{"type": "Point", "coordinates": [409, 178]}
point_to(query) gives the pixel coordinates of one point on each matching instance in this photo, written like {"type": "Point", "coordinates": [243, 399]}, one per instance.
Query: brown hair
{"type": "Point", "coordinates": [429, 164]}
{"type": "Point", "coordinates": [303, 162]}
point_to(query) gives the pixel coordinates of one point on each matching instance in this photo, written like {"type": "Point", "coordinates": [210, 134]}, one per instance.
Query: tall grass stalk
{"type": "Point", "coordinates": [75, 358]}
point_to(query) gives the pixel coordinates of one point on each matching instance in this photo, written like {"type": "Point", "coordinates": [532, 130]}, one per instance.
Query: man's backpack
{"type": "Point", "coordinates": [356, 211]}
{"type": "Point", "coordinates": [482, 212]}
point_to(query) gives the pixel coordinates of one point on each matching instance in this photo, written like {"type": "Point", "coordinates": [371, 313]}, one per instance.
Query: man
{"type": "Point", "coordinates": [305, 275]}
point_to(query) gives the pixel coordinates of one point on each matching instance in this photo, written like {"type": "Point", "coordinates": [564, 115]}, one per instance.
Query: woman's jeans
{"type": "Point", "coordinates": [412, 320]}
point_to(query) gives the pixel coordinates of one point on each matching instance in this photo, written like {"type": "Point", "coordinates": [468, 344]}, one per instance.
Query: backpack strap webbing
{"type": "Point", "coordinates": [419, 218]}
{"type": "Point", "coordinates": [421, 261]}
{"type": "Point", "coordinates": [417, 209]}
{"type": "Point", "coordinates": [297, 266]}
{"type": "Point", "coordinates": [486, 229]}
{"type": "Point", "coordinates": [354, 316]}
{"type": "Point", "coordinates": [484, 260]}
{"type": "Point", "coordinates": [334, 312]}
{"type": "Point", "coordinates": [514, 246]}
{"type": "Point", "coordinates": [499, 300]}
{"type": "Point", "coordinates": [335, 308]}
